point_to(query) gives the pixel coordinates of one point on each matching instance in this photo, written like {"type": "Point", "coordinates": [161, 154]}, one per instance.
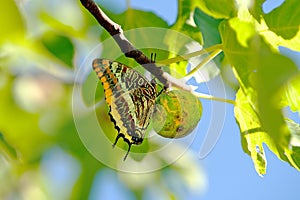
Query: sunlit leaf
{"type": "Point", "coordinates": [261, 73]}
{"type": "Point", "coordinates": [221, 9]}
{"type": "Point", "coordinates": [280, 27]}
{"type": "Point", "coordinates": [294, 153]}
{"type": "Point", "coordinates": [60, 26]}
{"type": "Point", "coordinates": [185, 22]}
{"type": "Point", "coordinates": [252, 134]}
{"type": "Point", "coordinates": [273, 71]}
{"type": "Point", "coordinates": [295, 132]}
{"type": "Point", "coordinates": [256, 9]}
{"type": "Point", "coordinates": [285, 19]}
{"type": "Point", "coordinates": [235, 44]}
{"type": "Point", "coordinates": [291, 91]}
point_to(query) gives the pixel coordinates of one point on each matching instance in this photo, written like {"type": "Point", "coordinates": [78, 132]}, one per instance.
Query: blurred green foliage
{"type": "Point", "coordinates": [42, 45]}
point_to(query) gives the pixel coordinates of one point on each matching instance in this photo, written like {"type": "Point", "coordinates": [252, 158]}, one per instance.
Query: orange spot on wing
{"type": "Point", "coordinates": [111, 76]}
{"type": "Point", "coordinates": [108, 100]}
{"type": "Point", "coordinates": [97, 69]}
{"type": "Point", "coordinates": [106, 85]}
{"type": "Point", "coordinates": [103, 79]}
{"type": "Point", "coordinates": [99, 74]}
{"type": "Point", "coordinates": [108, 71]}
{"type": "Point", "coordinates": [108, 93]}
{"type": "Point", "coordinates": [105, 62]}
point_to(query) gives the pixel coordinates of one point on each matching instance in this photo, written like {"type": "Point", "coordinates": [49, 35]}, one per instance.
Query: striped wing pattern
{"type": "Point", "coordinates": [130, 97]}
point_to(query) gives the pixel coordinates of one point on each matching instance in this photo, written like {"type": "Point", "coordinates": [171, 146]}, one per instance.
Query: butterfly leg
{"type": "Point", "coordinates": [117, 138]}
{"type": "Point", "coordinates": [129, 146]}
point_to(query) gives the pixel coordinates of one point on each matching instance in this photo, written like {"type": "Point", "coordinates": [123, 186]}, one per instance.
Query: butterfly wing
{"type": "Point", "coordinates": [130, 98]}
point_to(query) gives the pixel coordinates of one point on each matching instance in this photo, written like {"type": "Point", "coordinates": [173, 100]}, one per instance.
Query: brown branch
{"type": "Point", "coordinates": [126, 47]}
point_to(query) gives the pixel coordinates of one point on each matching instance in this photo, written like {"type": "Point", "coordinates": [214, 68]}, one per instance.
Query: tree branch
{"type": "Point", "coordinates": [126, 47]}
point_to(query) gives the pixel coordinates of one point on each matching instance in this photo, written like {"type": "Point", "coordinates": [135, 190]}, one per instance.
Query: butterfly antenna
{"type": "Point", "coordinates": [160, 92]}
{"type": "Point", "coordinates": [129, 146]}
{"type": "Point", "coordinates": [117, 138]}
{"type": "Point", "coordinates": [153, 57]}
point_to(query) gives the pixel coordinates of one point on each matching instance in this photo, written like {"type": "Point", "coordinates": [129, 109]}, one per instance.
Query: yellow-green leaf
{"type": "Point", "coordinates": [11, 23]}
{"type": "Point", "coordinates": [285, 19]}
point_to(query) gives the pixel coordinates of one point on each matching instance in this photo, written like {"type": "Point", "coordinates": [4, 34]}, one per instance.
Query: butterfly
{"type": "Point", "coordinates": [130, 97]}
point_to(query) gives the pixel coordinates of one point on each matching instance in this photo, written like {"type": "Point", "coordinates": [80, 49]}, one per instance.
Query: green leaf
{"type": "Point", "coordinates": [256, 9]}
{"type": "Point", "coordinates": [133, 18]}
{"type": "Point", "coordinates": [295, 132]}
{"type": "Point", "coordinates": [184, 22]}
{"type": "Point", "coordinates": [261, 72]}
{"type": "Point", "coordinates": [276, 41]}
{"type": "Point", "coordinates": [192, 32]}
{"type": "Point", "coordinates": [252, 134]}
{"type": "Point", "coordinates": [294, 153]}
{"type": "Point", "coordinates": [235, 35]}
{"type": "Point", "coordinates": [285, 19]}
{"type": "Point", "coordinates": [185, 11]}
{"type": "Point", "coordinates": [59, 26]}
{"type": "Point", "coordinates": [221, 9]}
{"type": "Point", "coordinates": [273, 71]}
{"type": "Point", "coordinates": [280, 27]}
{"type": "Point", "coordinates": [60, 46]}
{"type": "Point", "coordinates": [21, 128]}
{"type": "Point", "coordinates": [208, 27]}
{"type": "Point", "coordinates": [10, 151]}
{"type": "Point", "coordinates": [11, 23]}
{"type": "Point", "coordinates": [291, 93]}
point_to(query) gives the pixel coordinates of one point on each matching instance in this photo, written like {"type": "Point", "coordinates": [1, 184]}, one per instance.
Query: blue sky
{"type": "Point", "coordinates": [230, 172]}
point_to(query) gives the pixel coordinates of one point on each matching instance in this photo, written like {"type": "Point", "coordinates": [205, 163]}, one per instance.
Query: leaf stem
{"type": "Point", "coordinates": [190, 55]}
{"type": "Point", "coordinates": [205, 61]}
{"type": "Point", "coordinates": [206, 96]}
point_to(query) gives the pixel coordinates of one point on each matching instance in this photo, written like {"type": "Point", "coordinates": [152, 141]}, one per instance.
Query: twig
{"type": "Point", "coordinates": [126, 47]}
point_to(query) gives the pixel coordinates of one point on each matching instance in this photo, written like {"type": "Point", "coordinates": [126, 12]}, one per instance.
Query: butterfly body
{"type": "Point", "coordinates": [130, 97]}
